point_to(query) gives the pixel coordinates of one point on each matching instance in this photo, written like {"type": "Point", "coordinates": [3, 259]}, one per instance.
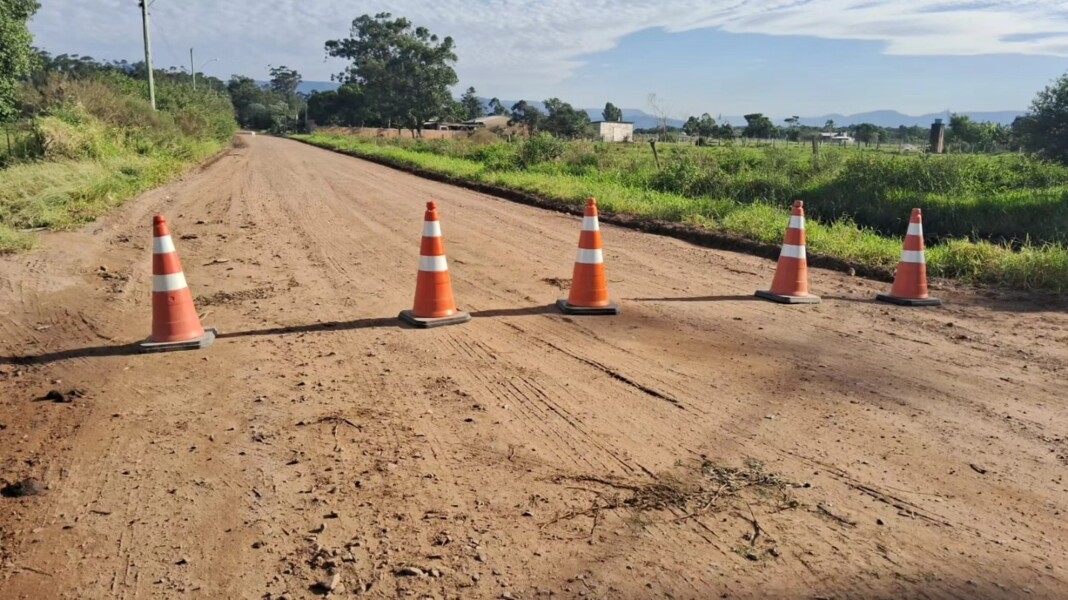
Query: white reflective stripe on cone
{"type": "Point", "coordinates": [589, 257]}
{"type": "Point", "coordinates": [168, 283]}
{"type": "Point", "coordinates": [433, 263]}
{"type": "Point", "coordinates": [791, 251]}
{"type": "Point", "coordinates": [915, 229]}
{"type": "Point", "coordinates": [796, 222]}
{"type": "Point", "coordinates": [590, 224]}
{"type": "Point", "coordinates": [162, 245]}
{"type": "Point", "coordinates": [913, 256]}
{"type": "Point", "coordinates": [431, 228]}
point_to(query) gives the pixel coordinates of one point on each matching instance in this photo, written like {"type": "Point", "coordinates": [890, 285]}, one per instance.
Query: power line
{"type": "Point", "coordinates": [166, 42]}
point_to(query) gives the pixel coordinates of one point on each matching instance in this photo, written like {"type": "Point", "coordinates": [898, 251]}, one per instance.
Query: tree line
{"type": "Point", "coordinates": [961, 130]}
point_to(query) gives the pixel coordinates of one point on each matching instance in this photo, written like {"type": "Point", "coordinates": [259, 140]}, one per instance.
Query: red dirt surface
{"type": "Point", "coordinates": [702, 444]}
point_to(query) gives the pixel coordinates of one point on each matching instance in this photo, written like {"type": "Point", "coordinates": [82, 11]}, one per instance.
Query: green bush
{"type": "Point", "coordinates": [497, 157]}
{"type": "Point", "coordinates": [539, 148]}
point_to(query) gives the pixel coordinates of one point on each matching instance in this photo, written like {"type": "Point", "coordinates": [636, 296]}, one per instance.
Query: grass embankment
{"type": "Point", "coordinates": [99, 144]}
{"type": "Point", "coordinates": [738, 196]}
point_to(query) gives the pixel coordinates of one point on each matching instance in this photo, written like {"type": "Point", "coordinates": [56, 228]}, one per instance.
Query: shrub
{"type": "Point", "coordinates": [539, 148]}
{"type": "Point", "coordinates": [501, 156]}
{"type": "Point", "coordinates": [581, 158]}
{"type": "Point", "coordinates": [483, 137]}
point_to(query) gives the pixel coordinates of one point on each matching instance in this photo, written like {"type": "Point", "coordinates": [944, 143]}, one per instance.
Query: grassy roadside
{"type": "Point", "coordinates": [65, 194]}
{"type": "Point", "coordinates": [1040, 267]}
{"type": "Point", "coordinates": [101, 145]}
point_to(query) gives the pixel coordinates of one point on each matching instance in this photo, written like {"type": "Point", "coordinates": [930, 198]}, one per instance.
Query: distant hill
{"type": "Point", "coordinates": [644, 120]}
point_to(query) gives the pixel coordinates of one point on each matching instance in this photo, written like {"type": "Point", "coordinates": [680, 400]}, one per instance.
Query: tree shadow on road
{"type": "Point", "coordinates": [857, 299]}
{"type": "Point", "coordinates": [90, 352]}
{"type": "Point", "coordinates": [734, 298]}
{"type": "Point", "coordinates": [372, 323]}
{"type": "Point", "coordinates": [515, 312]}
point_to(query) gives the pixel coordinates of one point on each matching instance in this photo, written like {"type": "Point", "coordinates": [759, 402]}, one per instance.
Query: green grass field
{"type": "Point", "coordinates": [103, 146]}
{"type": "Point", "coordinates": [996, 220]}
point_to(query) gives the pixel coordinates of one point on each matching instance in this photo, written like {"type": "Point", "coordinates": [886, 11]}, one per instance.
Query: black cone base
{"type": "Point", "coordinates": [427, 323]}
{"type": "Point", "coordinates": [909, 301]}
{"type": "Point", "coordinates": [611, 309]}
{"type": "Point", "coordinates": [809, 299]}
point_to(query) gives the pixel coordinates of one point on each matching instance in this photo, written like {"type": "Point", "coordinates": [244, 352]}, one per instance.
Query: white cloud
{"type": "Point", "coordinates": [516, 45]}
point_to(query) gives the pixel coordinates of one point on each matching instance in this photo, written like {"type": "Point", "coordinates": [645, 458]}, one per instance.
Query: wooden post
{"type": "Point", "coordinates": [815, 145]}
{"type": "Point", "coordinates": [656, 156]}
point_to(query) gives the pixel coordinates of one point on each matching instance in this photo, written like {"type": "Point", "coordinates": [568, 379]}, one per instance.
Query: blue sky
{"type": "Point", "coordinates": [780, 57]}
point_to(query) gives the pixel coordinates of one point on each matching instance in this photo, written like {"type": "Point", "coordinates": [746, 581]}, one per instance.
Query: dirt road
{"type": "Point", "coordinates": [702, 444]}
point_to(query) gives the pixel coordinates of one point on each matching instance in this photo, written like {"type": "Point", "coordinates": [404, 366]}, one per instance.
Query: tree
{"type": "Point", "coordinates": [963, 129]}
{"type": "Point", "coordinates": [453, 111]}
{"type": "Point", "coordinates": [404, 71]}
{"type": "Point", "coordinates": [258, 107]}
{"type": "Point", "coordinates": [16, 52]}
{"type": "Point", "coordinates": [564, 120]}
{"type": "Point", "coordinates": [284, 80]}
{"type": "Point", "coordinates": [612, 113]}
{"type": "Point", "coordinates": [758, 126]}
{"type": "Point", "coordinates": [472, 105]}
{"type": "Point", "coordinates": [690, 127]}
{"type": "Point", "coordinates": [284, 83]}
{"type": "Point", "coordinates": [867, 133]}
{"type": "Point", "coordinates": [497, 108]}
{"type": "Point", "coordinates": [829, 125]}
{"type": "Point", "coordinates": [245, 92]}
{"type": "Point", "coordinates": [706, 126]}
{"type": "Point", "coordinates": [527, 115]}
{"type": "Point", "coordinates": [1044, 129]}
{"type": "Point", "coordinates": [347, 106]}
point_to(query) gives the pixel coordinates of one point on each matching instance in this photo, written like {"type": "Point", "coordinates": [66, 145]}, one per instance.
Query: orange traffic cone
{"type": "Point", "coordinates": [434, 305]}
{"type": "Point", "coordinates": [790, 285]}
{"type": "Point", "coordinates": [589, 286]}
{"type": "Point", "coordinates": [175, 324]}
{"type": "Point", "coordinates": [910, 283]}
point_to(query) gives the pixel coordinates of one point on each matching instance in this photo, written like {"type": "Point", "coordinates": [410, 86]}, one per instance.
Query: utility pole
{"type": "Point", "coordinates": [193, 69]}
{"type": "Point", "coordinates": [148, 53]}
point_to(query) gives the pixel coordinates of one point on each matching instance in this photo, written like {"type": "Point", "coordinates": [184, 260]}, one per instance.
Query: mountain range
{"type": "Point", "coordinates": [644, 120]}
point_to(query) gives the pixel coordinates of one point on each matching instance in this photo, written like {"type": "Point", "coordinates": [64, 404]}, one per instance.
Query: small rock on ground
{"type": "Point", "coordinates": [409, 572]}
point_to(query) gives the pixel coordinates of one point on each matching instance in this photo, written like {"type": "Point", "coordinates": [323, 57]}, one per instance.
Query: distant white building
{"type": "Point", "coordinates": [842, 139]}
{"type": "Point", "coordinates": [614, 131]}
